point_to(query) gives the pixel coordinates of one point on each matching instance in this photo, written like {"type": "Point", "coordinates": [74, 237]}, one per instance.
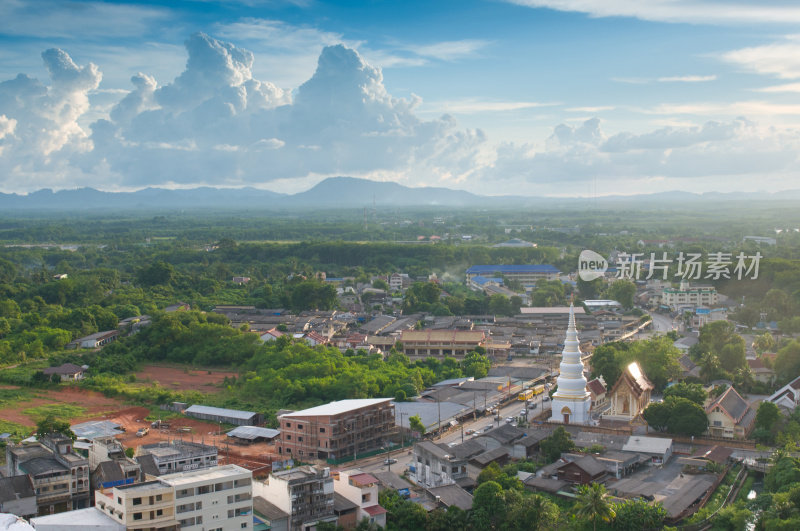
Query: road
{"type": "Point", "coordinates": [662, 323]}
{"type": "Point", "coordinates": [476, 428]}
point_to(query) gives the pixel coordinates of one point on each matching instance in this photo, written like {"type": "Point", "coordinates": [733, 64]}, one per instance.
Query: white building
{"type": "Point", "coordinates": [572, 400]}
{"type": "Point", "coordinates": [305, 493]}
{"type": "Point", "coordinates": [361, 489]}
{"type": "Point", "coordinates": [686, 295]}
{"type": "Point", "coordinates": [216, 498]}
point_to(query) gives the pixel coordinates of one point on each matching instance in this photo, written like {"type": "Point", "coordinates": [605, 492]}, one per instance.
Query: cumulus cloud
{"type": "Point", "coordinates": [584, 152]}
{"type": "Point", "coordinates": [39, 124]}
{"type": "Point", "coordinates": [217, 124]}
{"type": "Point", "coordinates": [780, 59]}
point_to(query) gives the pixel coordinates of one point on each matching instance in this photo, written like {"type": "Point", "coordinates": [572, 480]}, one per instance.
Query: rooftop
{"type": "Point", "coordinates": [206, 474]}
{"type": "Point", "coordinates": [338, 407]}
{"type": "Point", "coordinates": [91, 517]}
{"type": "Point", "coordinates": [525, 268]}
{"type": "Point", "coordinates": [222, 412]}
{"type": "Point", "coordinates": [648, 445]}
{"type": "Point", "coordinates": [253, 432]}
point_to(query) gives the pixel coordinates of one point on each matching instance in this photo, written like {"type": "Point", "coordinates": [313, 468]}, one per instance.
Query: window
{"type": "Point", "coordinates": [717, 423]}
{"type": "Point", "coordinates": [160, 512]}
{"type": "Point", "coordinates": [137, 516]}
{"type": "Point", "coordinates": [288, 424]}
{"type": "Point", "coordinates": [300, 439]}
{"type": "Point", "coordinates": [288, 437]}
{"type": "Point", "coordinates": [322, 430]}
{"type": "Point", "coordinates": [244, 525]}
{"type": "Point", "coordinates": [159, 497]}
{"type": "Point", "coordinates": [365, 497]}
{"type": "Point", "coordinates": [299, 426]}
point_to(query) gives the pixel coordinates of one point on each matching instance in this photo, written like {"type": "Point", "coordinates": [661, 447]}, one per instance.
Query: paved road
{"type": "Point", "coordinates": [476, 427]}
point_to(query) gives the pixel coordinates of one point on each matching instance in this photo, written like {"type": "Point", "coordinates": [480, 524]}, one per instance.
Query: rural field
{"type": "Point", "coordinates": [182, 379]}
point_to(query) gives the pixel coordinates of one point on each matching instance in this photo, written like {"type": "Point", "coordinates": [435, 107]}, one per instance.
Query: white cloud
{"type": "Point", "coordinates": [474, 106]}
{"type": "Point", "coordinates": [687, 79]}
{"type": "Point", "coordinates": [69, 19]}
{"type": "Point", "coordinates": [591, 110]}
{"type": "Point", "coordinates": [739, 150]}
{"type": "Point", "coordinates": [788, 87]}
{"type": "Point", "coordinates": [780, 59]}
{"type": "Point", "coordinates": [449, 50]}
{"type": "Point", "coordinates": [689, 11]}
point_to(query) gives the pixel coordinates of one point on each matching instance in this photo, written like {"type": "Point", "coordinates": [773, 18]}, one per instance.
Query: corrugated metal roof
{"type": "Point", "coordinates": [221, 412]}
{"type": "Point", "coordinates": [340, 406]}
{"type": "Point", "coordinates": [96, 428]}
{"type": "Point", "coordinates": [253, 432]}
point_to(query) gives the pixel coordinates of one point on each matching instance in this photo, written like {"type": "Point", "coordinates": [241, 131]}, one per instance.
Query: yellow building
{"type": "Point", "coordinates": [630, 394]}
{"type": "Point", "coordinates": [730, 416]}
{"type": "Point", "coordinates": [455, 343]}
{"type": "Point", "coordinates": [149, 505]}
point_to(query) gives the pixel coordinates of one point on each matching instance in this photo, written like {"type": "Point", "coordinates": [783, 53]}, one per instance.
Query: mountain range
{"type": "Point", "coordinates": [340, 192]}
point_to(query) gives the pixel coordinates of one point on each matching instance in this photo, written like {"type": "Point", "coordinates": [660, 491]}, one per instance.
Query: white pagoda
{"type": "Point", "coordinates": [572, 400]}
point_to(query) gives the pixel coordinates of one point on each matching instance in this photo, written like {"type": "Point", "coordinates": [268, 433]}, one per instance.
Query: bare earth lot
{"type": "Point", "coordinates": [94, 403]}
{"type": "Point", "coordinates": [179, 379]}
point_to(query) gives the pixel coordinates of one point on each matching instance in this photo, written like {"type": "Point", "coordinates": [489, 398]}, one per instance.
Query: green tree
{"type": "Point", "coordinates": [764, 343]}
{"type": "Point", "coordinates": [605, 363]}
{"type": "Point", "coordinates": [593, 505]}
{"type": "Point", "coordinates": [787, 363]}
{"type": "Point", "coordinates": [531, 513]}
{"type": "Point", "coordinates": [415, 423]}
{"type": "Point", "coordinates": [559, 442]}
{"type": "Point", "coordinates": [632, 515]}
{"type": "Point", "coordinates": [690, 391]}
{"type": "Point", "coordinates": [50, 425]}
{"type": "Point", "coordinates": [488, 506]}
{"type": "Point", "coordinates": [476, 365]}
{"type": "Point", "coordinates": [686, 417]}
{"type": "Point", "coordinates": [657, 415]}
{"type": "Point", "coordinates": [767, 415]}
{"type": "Point", "coordinates": [623, 292]}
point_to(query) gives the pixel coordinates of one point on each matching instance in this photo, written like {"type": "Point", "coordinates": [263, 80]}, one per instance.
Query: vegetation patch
{"type": "Point", "coordinates": [59, 411]}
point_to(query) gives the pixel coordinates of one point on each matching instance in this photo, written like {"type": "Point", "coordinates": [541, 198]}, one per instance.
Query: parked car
{"type": "Point", "coordinates": [469, 431]}
{"type": "Point", "coordinates": [509, 420]}
{"type": "Point", "coordinates": [141, 432]}
{"type": "Point", "coordinates": [487, 428]}
{"type": "Point", "coordinates": [546, 399]}
{"type": "Point", "coordinates": [389, 461]}
{"type": "Point", "coordinates": [523, 413]}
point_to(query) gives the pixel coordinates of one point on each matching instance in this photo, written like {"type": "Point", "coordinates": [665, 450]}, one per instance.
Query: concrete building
{"type": "Point", "coordinates": [336, 430]}
{"type": "Point", "coordinates": [68, 372]}
{"type": "Point", "coordinates": [142, 506]}
{"type": "Point", "coordinates": [658, 449]}
{"type": "Point", "coordinates": [685, 295]}
{"type": "Point", "coordinates": [99, 339]}
{"type": "Point", "coordinates": [787, 396]}
{"type": "Point", "coordinates": [60, 477]}
{"type": "Point", "coordinates": [215, 498]}
{"type": "Point", "coordinates": [435, 465]}
{"type": "Point", "coordinates": [526, 274]}
{"type": "Point", "coordinates": [89, 519]}
{"type": "Point", "coordinates": [441, 343]}
{"type": "Point", "coordinates": [17, 496]}
{"type": "Point", "coordinates": [362, 490]}
{"type": "Point", "coordinates": [228, 416]}
{"type": "Point", "coordinates": [110, 466]}
{"type": "Point", "coordinates": [305, 493]}
{"type": "Point", "coordinates": [179, 456]}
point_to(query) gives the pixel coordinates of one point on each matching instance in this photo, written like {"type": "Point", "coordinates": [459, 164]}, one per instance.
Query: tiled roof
{"type": "Point", "coordinates": [596, 387]}
{"type": "Point", "coordinates": [732, 403]}
{"type": "Point", "coordinates": [588, 464]}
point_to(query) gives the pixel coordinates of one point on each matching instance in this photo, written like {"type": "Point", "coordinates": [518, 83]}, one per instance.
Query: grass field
{"type": "Point", "coordinates": [58, 411]}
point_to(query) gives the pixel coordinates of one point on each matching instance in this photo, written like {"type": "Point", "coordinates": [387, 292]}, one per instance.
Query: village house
{"type": "Point", "coordinates": [729, 416]}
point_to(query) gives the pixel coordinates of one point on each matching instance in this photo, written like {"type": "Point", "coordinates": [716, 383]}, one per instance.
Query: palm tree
{"type": "Point", "coordinates": [592, 504]}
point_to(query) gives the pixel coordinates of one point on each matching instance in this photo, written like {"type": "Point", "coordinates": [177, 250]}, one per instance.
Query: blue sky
{"type": "Point", "coordinates": [533, 97]}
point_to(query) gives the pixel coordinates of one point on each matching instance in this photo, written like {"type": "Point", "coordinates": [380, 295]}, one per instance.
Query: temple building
{"type": "Point", "coordinates": [630, 394]}
{"type": "Point", "coordinates": [571, 401]}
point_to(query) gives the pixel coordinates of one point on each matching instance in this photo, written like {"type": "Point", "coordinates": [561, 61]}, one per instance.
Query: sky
{"type": "Point", "coordinates": [496, 97]}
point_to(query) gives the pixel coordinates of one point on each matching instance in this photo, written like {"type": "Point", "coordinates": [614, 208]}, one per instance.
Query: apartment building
{"type": "Point", "coordinates": [441, 343]}
{"type": "Point", "coordinates": [686, 295]}
{"type": "Point", "coordinates": [362, 490]}
{"type": "Point", "coordinates": [305, 493]}
{"type": "Point", "coordinates": [179, 456]}
{"type": "Point", "coordinates": [60, 477]}
{"type": "Point", "coordinates": [526, 274]}
{"type": "Point", "coordinates": [217, 499]}
{"type": "Point", "coordinates": [149, 505]}
{"type": "Point", "coordinates": [336, 430]}
{"type": "Point", "coordinates": [436, 465]}
{"type": "Point", "coordinates": [109, 465]}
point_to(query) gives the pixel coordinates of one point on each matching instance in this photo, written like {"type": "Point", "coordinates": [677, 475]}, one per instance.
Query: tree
{"type": "Point", "coordinates": [589, 289]}
{"type": "Point", "coordinates": [476, 365]}
{"type": "Point", "coordinates": [657, 415]}
{"type": "Point", "coordinates": [560, 441]}
{"type": "Point", "coordinates": [787, 363]}
{"type": "Point", "coordinates": [415, 423]}
{"type": "Point", "coordinates": [767, 415]}
{"type": "Point", "coordinates": [764, 343]}
{"type": "Point", "coordinates": [686, 417]}
{"type": "Point", "coordinates": [709, 366]}
{"type": "Point", "coordinates": [693, 392]}
{"type": "Point", "coordinates": [488, 506]}
{"type": "Point", "coordinates": [531, 513]}
{"type": "Point", "coordinates": [49, 425]}
{"type": "Point", "coordinates": [592, 504]}
{"type": "Point", "coordinates": [605, 363]}
{"type": "Point", "coordinates": [632, 515]}
{"type": "Point", "coordinates": [623, 292]}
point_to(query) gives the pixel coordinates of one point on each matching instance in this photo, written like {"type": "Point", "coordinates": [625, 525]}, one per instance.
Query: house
{"type": "Point", "coordinates": [240, 280]}
{"type": "Point", "coordinates": [761, 373]}
{"type": "Point", "coordinates": [68, 372]}
{"type": "Point", "coordinates": [658, 449]}
{"type": "Point", "coordinates": [451, 496]}
{"type": "Point", "coordinates": [314, 338]}
{"type": "Point", "coordinates": [17, 496]}
{"type": "Point", "coordinates": [270, 335]}
{"type": "Point", "coordinates": [98, 339]}
{"type": "Point", "coordinates": [689, 369]}
{"type": "Point", "coordinates": [305, 493]}
{"type": "Point", "coordinates": [362, 490]}
{"type": "Point", "coordinates": [630, 394]}
{"type": "Point", "coordinates": [268, 516]}
{"type": "Point", "coordinates": [175, 456]}
{"type": "Point", "coordinates": [582, 471]}
{"type": "Point", "coordinates": [597, 390]}
{"type": "Point", "coordinates": [435, 465]}
{"type": "Point", "coordinates": [729, 415]}
{"type": "Point", "coordinates": [787, 396]}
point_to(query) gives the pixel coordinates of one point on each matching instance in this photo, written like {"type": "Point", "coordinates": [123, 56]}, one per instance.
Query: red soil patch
{"type": "Point", "coordinates": [94, 403]}
{"type": "Point", "coordinates": [179, 379]}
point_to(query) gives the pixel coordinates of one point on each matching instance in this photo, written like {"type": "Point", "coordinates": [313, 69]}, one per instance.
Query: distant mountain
{"type": "Point", "coordinates": [347, 192]}
{"type": "Point", "coordinates": [352, 192]}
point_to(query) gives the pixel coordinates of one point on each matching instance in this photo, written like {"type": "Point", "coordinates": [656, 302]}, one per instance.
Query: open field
{"type": "Point", "coordinates": [67, 403]}
{"type": "Point", "coordinates": [180, 379]}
